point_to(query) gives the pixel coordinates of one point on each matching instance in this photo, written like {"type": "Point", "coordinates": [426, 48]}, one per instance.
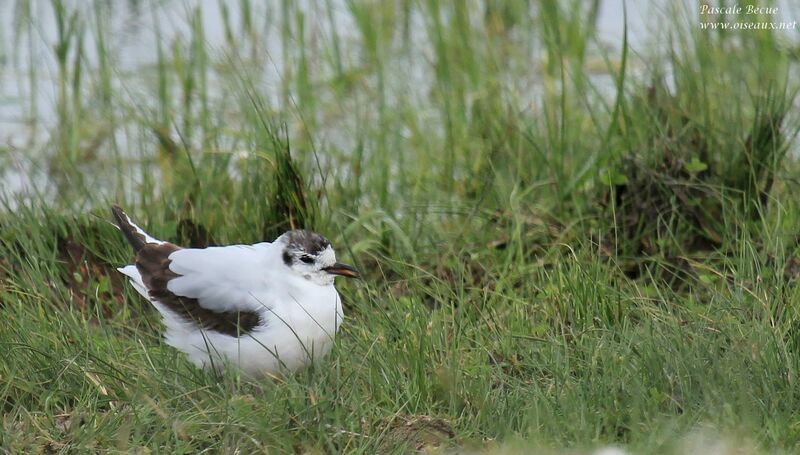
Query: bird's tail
{"type": "Point", "coordinates": [133, 233]}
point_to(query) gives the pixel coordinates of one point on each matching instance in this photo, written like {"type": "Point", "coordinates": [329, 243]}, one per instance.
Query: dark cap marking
{"type": "Point", "coordinates": [306, 241]}
{"type": "Point", "coordinates": [153, 262]}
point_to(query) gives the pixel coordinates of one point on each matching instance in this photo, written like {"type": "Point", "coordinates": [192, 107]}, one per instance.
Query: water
{"type": "Point", "coordinates": [29, 72]}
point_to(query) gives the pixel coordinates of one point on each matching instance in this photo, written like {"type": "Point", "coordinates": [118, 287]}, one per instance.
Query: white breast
{"type": "Point", "coordinates": [301, 323]}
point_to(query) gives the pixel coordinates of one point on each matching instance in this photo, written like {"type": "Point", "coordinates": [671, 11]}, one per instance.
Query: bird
{"type": "Point", "coordinates": [266, 309]}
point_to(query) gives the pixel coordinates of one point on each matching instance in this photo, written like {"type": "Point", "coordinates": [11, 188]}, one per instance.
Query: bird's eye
{"type": "Point", "coordinates": [307, 259]}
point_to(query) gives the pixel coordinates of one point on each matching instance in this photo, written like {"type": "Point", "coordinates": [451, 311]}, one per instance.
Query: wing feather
{"type": "Point", "coordinates": [210, 287]}
{"type": "Point", "coordinates": [197, 294]}
{"type": "Point", "coordinates": [220, 278]}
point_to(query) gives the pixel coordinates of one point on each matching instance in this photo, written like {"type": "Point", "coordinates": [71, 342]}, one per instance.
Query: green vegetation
{"type": "Point", "coordinates": [553, 256]}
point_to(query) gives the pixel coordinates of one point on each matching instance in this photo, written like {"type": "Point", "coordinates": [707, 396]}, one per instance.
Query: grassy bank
{"type": "Point", "coordinates": [563, 246]}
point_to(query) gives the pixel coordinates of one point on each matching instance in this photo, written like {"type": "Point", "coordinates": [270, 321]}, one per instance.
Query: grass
{"type": "Point", "coordinates": [548, 262]}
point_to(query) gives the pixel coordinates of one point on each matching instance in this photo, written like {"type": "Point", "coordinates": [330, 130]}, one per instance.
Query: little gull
{"type": "Point", "coordinates": [265, 308]}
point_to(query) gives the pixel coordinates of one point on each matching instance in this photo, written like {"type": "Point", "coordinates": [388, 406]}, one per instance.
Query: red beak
{"type": "Point", "coordinates": [342, 269]}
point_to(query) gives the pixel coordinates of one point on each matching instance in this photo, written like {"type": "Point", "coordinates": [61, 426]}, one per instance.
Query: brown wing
{"type": "Point", "coordinates": [153, 262]}
{"type": "Point", "coordinates": [129, 230]}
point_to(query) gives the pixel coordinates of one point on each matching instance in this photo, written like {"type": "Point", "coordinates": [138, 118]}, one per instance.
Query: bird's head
{"type": "Point", "coordinates": [311, 256]}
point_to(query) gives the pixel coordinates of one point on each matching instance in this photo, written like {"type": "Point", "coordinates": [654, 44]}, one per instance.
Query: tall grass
{"type": "Point", "coordinates": [548, 262]}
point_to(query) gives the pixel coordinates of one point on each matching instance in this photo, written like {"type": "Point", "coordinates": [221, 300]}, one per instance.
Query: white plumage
{"type": "Point", "coordinates": [286, 286]}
